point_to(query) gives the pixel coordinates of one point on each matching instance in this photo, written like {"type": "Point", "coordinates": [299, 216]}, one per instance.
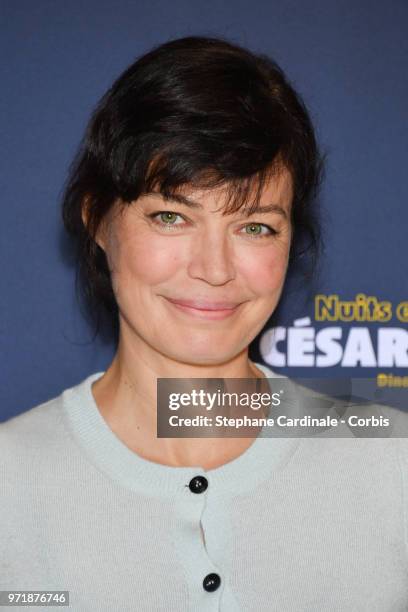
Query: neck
{"type": "Point", "coordinates": [126, 396]}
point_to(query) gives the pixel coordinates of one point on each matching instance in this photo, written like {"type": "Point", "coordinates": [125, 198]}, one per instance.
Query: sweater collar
{"type": "Point", "coordinates": [110, 455]}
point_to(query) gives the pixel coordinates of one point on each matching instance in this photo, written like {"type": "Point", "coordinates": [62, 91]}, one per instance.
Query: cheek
{"type": "Point", "coordinates": [265, 270]}
{"type": "Point", "coordinates": [146, 261]}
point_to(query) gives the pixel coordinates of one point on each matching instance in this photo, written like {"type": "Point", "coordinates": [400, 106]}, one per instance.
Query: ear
{"type": "Point", "coordinates": [99, 238]}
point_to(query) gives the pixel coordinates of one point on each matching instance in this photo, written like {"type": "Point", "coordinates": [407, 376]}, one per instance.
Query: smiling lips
{"type": "Point", "coordinates": [204, 309]}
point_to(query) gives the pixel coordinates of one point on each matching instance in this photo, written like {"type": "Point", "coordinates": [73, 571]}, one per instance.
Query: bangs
{"type": "Point", "coordinates": [239, 192]}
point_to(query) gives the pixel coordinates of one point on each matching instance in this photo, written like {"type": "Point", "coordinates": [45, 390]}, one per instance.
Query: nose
{"type": "Point", "coordinates": [212, 258]}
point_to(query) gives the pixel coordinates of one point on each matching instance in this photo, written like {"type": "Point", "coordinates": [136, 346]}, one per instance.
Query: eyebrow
{"type": "Point", "coordinates": [181, 199]}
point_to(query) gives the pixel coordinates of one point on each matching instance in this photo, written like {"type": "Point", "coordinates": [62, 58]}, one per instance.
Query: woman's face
{"type": "Point", "coordinates": [160, 252]}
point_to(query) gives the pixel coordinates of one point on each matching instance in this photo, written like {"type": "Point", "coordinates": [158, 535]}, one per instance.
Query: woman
{"type": "Point", "coordinates": [191, 195]}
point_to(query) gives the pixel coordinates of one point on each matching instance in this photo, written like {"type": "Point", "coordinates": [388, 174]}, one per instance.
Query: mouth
{"type": "Point", "coordinates": [205, 310]}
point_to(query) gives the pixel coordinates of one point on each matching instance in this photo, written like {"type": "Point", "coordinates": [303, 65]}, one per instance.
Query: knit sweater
{"type": "Point", "coordinates": [291, 525]}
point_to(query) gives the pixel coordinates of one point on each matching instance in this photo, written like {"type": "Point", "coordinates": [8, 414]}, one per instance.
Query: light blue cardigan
{"type": "Point", "coordinates": [292, 524]}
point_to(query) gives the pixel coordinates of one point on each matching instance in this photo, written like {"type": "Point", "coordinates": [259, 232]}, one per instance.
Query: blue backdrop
{"type": "Point", "coordinates": [349, 61]}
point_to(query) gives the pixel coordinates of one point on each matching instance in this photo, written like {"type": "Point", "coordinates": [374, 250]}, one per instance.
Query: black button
{"type": "Point", "coordinates": [198, 484]}
{"type": "Point", "coordinates": [211, 582]}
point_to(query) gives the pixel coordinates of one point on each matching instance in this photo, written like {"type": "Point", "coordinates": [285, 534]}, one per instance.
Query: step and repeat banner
{"type": "Point", "coordinates": [362, 339]}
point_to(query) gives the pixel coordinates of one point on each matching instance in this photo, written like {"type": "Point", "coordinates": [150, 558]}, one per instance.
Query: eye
{"type": "Point", "coordinates": [166, 219]}
{"type": "Point", "coordinates": [254, 230]}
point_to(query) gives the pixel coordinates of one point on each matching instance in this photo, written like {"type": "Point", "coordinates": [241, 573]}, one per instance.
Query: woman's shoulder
{"type": "Point", "coordinates": [37, 429]}
{"type": "Point", "coordinates": [31, 429]}
{"type": "Point", "coordinates": [30, 444]}
{"type": "Point", "coordinates": [41, 419]}
{"type": "Point", "coordinates": [43, 430]}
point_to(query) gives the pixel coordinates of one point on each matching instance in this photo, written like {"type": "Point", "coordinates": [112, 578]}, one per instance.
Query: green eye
{"type": "Point", "coordinates": [257, 227]}
{"type": "Point", "coordinates": [168, 217]}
